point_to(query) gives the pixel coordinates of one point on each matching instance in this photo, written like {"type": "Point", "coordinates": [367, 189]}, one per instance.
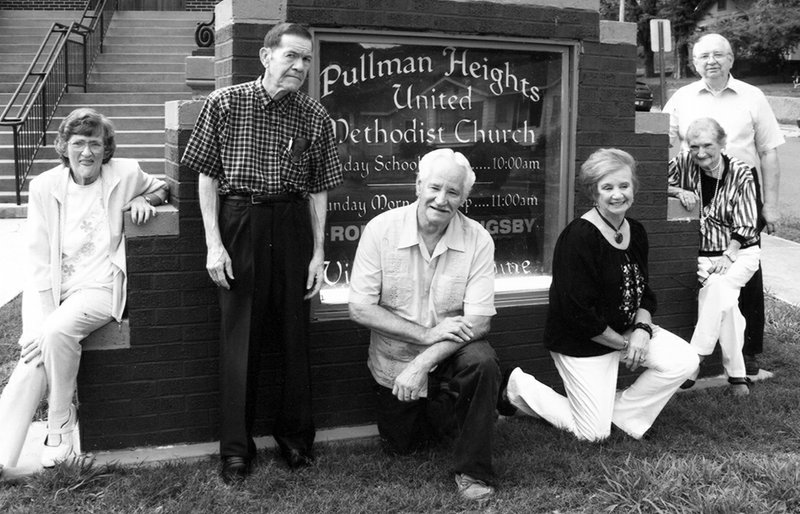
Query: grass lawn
{"type": "Point", "coordinates": [709, 453]}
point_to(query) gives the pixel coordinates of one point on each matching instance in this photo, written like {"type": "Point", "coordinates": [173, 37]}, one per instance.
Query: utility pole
{"type": "Point", "coordinates": [621, 10]}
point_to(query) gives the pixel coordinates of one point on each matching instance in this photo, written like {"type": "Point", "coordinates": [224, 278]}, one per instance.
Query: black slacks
{"type": "Point", "coordinates": [462, 397]}
{"type": "Point", "coordinates": [270, 246]}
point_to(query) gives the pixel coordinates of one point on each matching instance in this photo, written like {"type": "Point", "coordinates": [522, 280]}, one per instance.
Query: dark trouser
{"type": "Point", "coordinates": [751, 297]}
{"type": "Point", "coordinates": [751, 303]}
{"type": "Point", "coordinates": [270, 246]}
{"type": "Point", "coordinates": [462, 396]}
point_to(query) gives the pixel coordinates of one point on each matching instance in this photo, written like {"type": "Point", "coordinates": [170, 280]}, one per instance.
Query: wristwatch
{"type": "Point", "coordinates": [731, 257]}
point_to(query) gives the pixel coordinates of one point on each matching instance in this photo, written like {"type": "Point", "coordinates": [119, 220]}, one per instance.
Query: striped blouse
{"type": "Point", "coordinates": [732, 211]}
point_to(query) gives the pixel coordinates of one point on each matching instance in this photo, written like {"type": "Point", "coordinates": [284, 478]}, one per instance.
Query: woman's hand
{"type": "Point", "coordinates": [31, 348]}
{"type": "Point", "coordinates": [724, 263]}
{"type": "Point", "coordinates": [638, 346]}
{"type": "Point", "coordinates": [688, 199]}
{"type": "Point", "coordinates": [141, 211]}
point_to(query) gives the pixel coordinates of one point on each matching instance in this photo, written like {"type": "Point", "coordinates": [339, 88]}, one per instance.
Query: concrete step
{"type": "Point", "coordinates": [18, 14]}
{"type": "Point", "coordinates": [10, 87]}
{"type": "Point", "coordinates": [152, 165]}
{"type": "Point", "coordinates": [182, 49]}
{"type": "Point", "coordinates": [24, 48]}
{"type": "Point", "coordinates": [122, 124]}
{"type": "Point", "coordinates": [159, 58]}
{"type": "Point", "coordinates": [144, 37]}
{"type": "Point", "coordinates": [113, 111]}
{"type": "Point", "coordinates": [127, 98]}
{"type": "Point", "coordinates": [144, 87]}
{"type": "Point", "coordinates": [120, 30]}
{"type": "Point", "coordinates": [129, 136]}
{"type": "Point", "coordinates": [130, 68]}
{"type": "Point", "coordinates": [154, 77]}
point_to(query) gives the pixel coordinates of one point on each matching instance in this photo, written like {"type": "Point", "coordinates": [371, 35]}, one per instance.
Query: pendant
{"type": "Point", "coordinates": [618, 237]}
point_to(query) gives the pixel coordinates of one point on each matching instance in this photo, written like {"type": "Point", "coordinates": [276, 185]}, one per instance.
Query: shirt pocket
{"type": "Point", "coordinates": [449, 293]}
{"type": "Point", "coordinates": [295, 166]}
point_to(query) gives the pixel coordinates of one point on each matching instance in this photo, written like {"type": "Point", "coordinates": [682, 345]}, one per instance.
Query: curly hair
{"type": "Point", "coordinates": [85, 122]}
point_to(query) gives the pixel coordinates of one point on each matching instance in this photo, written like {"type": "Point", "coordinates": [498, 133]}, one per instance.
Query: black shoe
{"type": "Point", "coordinates": [505, 407]}
{"type": "Point", "coordinates": [688, 384]}
{"type": "Point", "coordinates": [297, 459]}
{"type": "Point", "coordinates": [234, 469]}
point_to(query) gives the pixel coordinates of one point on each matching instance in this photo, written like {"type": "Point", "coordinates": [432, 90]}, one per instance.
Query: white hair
{"type": "Point", "coordinates": [426, 165]}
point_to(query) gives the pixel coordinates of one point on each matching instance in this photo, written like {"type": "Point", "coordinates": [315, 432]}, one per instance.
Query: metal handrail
{"type": "Point", "coordinates": [73, 50]}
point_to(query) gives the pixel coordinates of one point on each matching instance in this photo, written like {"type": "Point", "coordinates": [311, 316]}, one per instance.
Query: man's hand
{"type": "Point", "coordinates": [771, 217]}
{"type": "Point", "coordinates": [638, 345]}
{"type": "Point", "coordinates": [314, 282]}
{"type": "Point", "coordinates": [219, 266]}
{"type": "Point", "coordinates": [141, 211]}
{"type": "Point", "coordinates": [456, 329]}
{"type": "Point", "coordinates": [31, 349]}
{"type": "Point", "coordinates": [410, 382]}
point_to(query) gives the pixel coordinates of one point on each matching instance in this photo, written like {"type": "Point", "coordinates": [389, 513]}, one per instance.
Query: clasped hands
{"type": "Point", "coordinates": [413, 380]}
{"type": "Point", "coordinates": [638, 346]}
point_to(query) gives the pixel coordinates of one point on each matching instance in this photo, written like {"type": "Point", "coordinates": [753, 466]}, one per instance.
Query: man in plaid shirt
{"type": "Point", "coordinates": [266, 157]}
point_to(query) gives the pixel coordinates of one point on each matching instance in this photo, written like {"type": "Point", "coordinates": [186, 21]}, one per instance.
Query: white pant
{"type": "Point", "coordinates": [718, 314]}
{"type": "Point", "coordinates": [79, 315]}
{"type": "Point", "coordinates": [592, 402]}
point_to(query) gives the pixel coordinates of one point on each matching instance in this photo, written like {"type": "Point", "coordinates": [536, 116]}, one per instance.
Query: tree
{"type": "Point", "coordinates": [765, 34]}
{"type": "Point", "coordinates": [684, 15]}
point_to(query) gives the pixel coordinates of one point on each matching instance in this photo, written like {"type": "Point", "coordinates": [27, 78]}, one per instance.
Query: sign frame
{"type": "Point", "coordinates": [569, 51]}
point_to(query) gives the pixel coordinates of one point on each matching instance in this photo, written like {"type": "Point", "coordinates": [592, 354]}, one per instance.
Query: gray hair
{"type": "Point", "coordinates": [604, 162]}
{"type": "Point", "coordinates": [707, 124]}
{"type": "Point", "coordinates": [426, 165]}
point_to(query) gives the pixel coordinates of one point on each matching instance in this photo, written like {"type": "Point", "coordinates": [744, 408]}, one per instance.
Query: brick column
{"type": "Point", "coordinates": [239, 34]}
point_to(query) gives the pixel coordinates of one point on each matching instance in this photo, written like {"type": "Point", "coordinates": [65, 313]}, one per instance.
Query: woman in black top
{"type": "Point", "coordinates": [600, 314]}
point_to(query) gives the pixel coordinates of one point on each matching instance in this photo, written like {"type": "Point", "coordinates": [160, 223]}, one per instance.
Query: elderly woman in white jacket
{"type": "Point", "coordinates": [78, 275]}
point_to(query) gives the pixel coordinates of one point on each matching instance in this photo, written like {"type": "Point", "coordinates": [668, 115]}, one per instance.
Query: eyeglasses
{"type": "Point", "coordinates": [80, 145]}
{"type": "Point", "coordinates": [718, 56]}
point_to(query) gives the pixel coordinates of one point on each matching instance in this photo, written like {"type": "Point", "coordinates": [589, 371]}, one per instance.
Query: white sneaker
{"type": "Point", "coordinates": [472, 489]}
{"type": "Point", "coordinates": [52, 455]}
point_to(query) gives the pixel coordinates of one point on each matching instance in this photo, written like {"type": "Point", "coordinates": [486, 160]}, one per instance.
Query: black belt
{"type": "Point", "coordinates": [258, 199]}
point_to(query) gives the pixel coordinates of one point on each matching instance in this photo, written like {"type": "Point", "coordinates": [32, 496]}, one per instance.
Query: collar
{"type": "Point", "coordinates": [452, 239]}
{"type": "Point", "coordinates": [733, 84]}
{"type": "Point", "coordinates": [108, 183]}
{"type": "Point", "coordinates": [265, 100]}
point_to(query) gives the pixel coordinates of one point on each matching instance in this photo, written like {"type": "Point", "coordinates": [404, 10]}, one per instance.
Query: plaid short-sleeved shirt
{"type": "Point", "coordinates": [255, 145]}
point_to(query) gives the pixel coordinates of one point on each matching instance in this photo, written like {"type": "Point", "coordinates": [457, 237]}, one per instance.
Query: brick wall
{"type": "Point", "coordinates": [43, 5]}
{"type": "Point", "coordinates": [164, 389]}
{"type": "Point", "coordinates": [65, 5]}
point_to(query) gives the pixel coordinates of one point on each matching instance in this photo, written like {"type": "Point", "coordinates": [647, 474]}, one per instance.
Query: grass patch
{"type": "Point", "coordinates": [709, 453]}
{"type": "Point", "coordinates": [789, 228]}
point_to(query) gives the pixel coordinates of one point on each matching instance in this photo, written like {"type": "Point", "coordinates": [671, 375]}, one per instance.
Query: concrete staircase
{"type": "Point", "coordinates": [142, 67]}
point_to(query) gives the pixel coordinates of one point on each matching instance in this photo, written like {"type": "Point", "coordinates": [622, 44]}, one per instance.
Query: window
{"type": "Point", "coordinates": [393, 98]}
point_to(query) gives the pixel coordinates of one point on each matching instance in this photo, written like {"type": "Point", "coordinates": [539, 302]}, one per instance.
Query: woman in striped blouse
{"type": "Point", "coordinates": [727, 191]}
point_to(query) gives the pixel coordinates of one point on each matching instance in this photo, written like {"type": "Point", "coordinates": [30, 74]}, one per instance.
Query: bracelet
{"type": "Point", "coordinates": [644, 326]}
{"type": "Point", "coordinates": [625, 343]}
